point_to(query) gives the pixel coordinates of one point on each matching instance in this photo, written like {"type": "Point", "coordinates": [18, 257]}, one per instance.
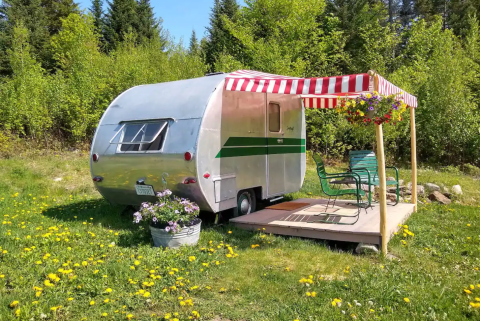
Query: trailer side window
{"type": "Point", "coordinates": [274, 117]}
{"type": "Point", "coordinates": [141, 137]}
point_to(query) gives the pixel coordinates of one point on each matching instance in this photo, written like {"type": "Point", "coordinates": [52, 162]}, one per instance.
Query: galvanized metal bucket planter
{"type": "Point", "coordinates": [189, 235]}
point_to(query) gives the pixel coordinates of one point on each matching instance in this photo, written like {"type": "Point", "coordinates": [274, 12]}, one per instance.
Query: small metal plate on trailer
{"type": "Point", "coordinates": [145, 190]}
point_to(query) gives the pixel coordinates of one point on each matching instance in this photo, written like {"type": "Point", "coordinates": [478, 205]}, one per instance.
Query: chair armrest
{"type": "Point", "coordinates": [396, 170]}
{"type": "Point", "coordinates": [363, 169]}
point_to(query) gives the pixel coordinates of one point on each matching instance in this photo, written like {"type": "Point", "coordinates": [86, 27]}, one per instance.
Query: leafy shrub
{"type": "Point", "coordinates": [452, 169]}
{"type": "Point", "coordinates": [470, 169]}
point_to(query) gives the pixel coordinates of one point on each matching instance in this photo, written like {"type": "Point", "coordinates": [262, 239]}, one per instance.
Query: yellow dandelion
{"type": "Point", "coordinates": [14, 304]}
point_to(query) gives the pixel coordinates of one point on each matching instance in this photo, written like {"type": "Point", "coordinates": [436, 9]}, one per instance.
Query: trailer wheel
{"type": "Point", "coordinates": [246, 203]}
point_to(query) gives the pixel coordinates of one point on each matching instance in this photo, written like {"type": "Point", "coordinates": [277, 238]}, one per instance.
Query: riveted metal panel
{"type": "Point", "coordinates": [183, 103]}
{"type": "Point", "coordinates": [181, 99]}
{"type": "Point", "coordinates": [225, 189]}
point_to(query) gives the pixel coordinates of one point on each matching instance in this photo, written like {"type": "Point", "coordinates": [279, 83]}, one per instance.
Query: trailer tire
{"type": "Point", "coordinates": [246, 203]}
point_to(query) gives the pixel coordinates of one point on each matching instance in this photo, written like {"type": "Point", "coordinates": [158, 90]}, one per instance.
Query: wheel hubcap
{"type": "Point", "coordinates": [244, 205]}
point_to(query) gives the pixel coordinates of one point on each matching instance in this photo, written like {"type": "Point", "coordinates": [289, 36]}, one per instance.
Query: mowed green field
{"type": "Point", "coordinates": [66, 254]}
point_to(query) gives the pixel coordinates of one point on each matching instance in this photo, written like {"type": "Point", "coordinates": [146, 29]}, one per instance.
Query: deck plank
{"type": "Point", "coordinates": [366, 229]}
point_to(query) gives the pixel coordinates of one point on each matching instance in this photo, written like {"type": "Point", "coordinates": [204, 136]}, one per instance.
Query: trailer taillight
{"type": "Point", "coordinates": [189, 181]}
{"type": "Point", "coordinates": [95, 157]}
{"type": "Point", "coordinates": [206, 175]}
{"type": "Point", "coordinates": [188, 156]}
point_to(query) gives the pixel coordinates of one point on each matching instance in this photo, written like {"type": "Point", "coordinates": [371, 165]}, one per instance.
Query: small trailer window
{"type": "Point", "coordinates": [274, 117]}
{"type": "Point", "coordinates": [141, 137]}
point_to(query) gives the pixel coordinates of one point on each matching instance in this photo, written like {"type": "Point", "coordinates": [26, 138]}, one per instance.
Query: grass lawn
{"type": "Point", "coordinates": [65, 254]}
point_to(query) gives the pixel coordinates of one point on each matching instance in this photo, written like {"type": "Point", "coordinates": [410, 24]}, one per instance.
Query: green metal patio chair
{"type": "Point", "coordinates": [324, 183]}
{"type": "Point", "coordinates": [365, 164]}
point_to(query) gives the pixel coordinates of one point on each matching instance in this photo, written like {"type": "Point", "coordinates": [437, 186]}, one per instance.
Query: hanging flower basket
{"type": "Point", "coordinates": [173, 221]}
{"type": "Point", "coordinates": [369, 109]}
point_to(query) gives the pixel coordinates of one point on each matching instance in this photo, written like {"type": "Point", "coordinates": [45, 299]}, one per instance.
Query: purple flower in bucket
{"type": "Point", "coordinates": [166, 192]}
{"type": "Point", "coordinates": [138, 217]}
{"type": "Point", "coordinates": [171, 212]}
{"type": "Point", "coordinates": [370, 108]}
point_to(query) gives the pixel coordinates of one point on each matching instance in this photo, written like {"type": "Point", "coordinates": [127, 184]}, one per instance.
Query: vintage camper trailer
{"type": "Point", "coordinates": [203, 140]}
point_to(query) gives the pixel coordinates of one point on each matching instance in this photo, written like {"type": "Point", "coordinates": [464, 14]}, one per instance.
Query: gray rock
{"type": "Point", "coordinates": [57, 179]}
{"type": "Point", "coordinates": [364, 187]}
{"type": "Point", "coordinates": [445, 189]}
{"type": "Point", "coordinates": [439, 197]}
{"type": "Point", "coordinates": [420, 190]}
{"type": "Point", "coordinates": [392, 197]}
{"type": "Point", "coordinates": [409, 185]}
{"type": "Point", "coordinates": [390, 178]}
{"type": "Point", "coordinates": [363, 248]}
{"type": "Point", "coordinates": [457, 189]}
{"type": "Point", "coordinates": [432, 187]}
{"type": "Point", "coordinates": [402, 189]}
{"type": "Point", "coordinates": [392, 190]}
{"type": "Point", "coordinates": [401, 182]}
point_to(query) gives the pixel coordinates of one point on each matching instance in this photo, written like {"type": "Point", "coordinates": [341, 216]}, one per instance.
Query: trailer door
{"type": "Point", "coordinates": [275, 157]}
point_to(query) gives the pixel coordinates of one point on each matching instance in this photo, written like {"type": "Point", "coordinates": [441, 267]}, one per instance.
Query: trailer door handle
{"type": "Point", "coordinates": [280, 141]}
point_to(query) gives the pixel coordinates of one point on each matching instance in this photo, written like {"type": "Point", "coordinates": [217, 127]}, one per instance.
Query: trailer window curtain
{"type": "Point", "coordinates": [142, 137]}
{"type": "Point", "coordinates": [274, 117]}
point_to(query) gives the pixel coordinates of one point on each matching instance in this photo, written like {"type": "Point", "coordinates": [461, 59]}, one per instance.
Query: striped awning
{"type": "Point", "coordinates": [315, 92]}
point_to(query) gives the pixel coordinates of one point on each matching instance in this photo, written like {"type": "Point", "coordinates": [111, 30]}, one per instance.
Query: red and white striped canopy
{"type": "Point", "coordinates": [316, 92]}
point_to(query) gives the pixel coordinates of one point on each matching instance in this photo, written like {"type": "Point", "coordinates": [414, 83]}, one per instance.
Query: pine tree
{"type": "Point", "coordinates": [407, 12]}
{"type": "Point", "coordinates": [55, 10]}
{"type": "Point", "coordinates": [147, 25]}
{"type": "Point", "coordinates": [219, 39]}
{"type": "Point", "coordinates": [31, 15]}
{"type": "Point", "coordinates": [121, 19]}
{"type": "Point", "coordinates": [97, 13]}
{"type": "Point", "coordinates": [194, 48]}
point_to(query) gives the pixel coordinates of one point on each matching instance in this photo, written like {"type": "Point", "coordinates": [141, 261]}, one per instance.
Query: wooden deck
{"type": "Point", "coordinates": [300, 222]}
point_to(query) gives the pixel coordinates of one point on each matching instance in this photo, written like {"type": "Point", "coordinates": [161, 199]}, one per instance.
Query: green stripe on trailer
{"type": "Point", "coordinates": [262, 141]}
{"type": "Point", "coordinates": [255, 151]}
{"type": "Point", "coordinates": [241, 151]}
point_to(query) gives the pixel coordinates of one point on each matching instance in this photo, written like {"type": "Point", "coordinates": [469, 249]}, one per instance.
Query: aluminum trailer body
{"type": "Point", "coordinates": [221, 149]}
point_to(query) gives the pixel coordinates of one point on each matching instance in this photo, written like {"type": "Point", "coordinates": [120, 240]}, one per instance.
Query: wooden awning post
{"type": "Point", "coordinates": [383, 187]}
{"type": "Point", "coordinates": [414, 157]}
{"type": "Point", "coordinates": [382, 193]}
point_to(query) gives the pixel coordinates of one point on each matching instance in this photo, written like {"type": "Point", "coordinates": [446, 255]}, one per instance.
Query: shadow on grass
{"type": "Point", "coordinates": [97, 211]}
{"type": "Point", "coordinates": [120, 218]}
{"type": "Point", "coordinates": [101, 213]}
